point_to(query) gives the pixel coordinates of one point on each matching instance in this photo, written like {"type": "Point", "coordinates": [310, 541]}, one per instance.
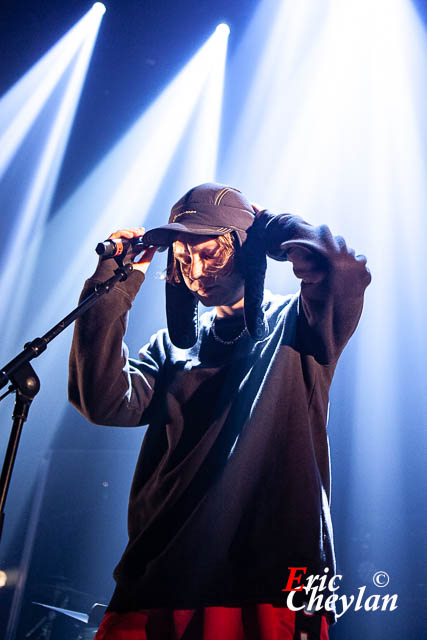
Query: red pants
{"type": "Point", "coordinates": [250, 622]}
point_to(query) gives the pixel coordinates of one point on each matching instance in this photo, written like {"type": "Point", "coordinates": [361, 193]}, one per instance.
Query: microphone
{"type": "Point", "coordinates": [120, 246]}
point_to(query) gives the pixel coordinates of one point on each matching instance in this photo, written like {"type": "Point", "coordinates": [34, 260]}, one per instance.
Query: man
{"type": "Point", "coordinates": [231, 488]}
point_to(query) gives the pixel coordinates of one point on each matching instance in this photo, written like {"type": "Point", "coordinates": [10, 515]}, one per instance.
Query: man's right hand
{"type": "Point", "coordinates": [146, 256]}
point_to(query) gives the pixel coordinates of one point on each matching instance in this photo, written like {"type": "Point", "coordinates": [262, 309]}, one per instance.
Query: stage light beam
{"type": "Point", "coordinates": [122, 188]}
{"type": "Point", "coordinates": [223, 29]}
{"type": "Point", "coordinates": [22, 104]}
{"type": "Point", "coordinates": [28, 213]}
{"type": "Point", "coordinates": [99, 7]}
{"type": "Point", "coordinates": [329, 123]}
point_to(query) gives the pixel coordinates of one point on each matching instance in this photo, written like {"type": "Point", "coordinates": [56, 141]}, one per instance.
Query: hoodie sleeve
{"type": "Point", "coordinates": [333, 279]}
{"type": "Point", "coordinates": [104, 385]}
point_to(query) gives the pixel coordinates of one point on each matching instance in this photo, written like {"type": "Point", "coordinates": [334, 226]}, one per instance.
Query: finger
{"type": "Point", "coordinates": [132, 232]}
{"type": "Point", "coordinates": [256, 207]}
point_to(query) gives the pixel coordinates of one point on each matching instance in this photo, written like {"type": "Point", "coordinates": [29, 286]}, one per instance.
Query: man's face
{"type": "Point", "coordinates": [199, 258]}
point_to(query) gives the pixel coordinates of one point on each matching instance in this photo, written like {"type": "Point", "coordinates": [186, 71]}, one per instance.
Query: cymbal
{"type": "Point", "coordinates": [92, 619]}
{"type": "Point", "coordinates": [82, 617]}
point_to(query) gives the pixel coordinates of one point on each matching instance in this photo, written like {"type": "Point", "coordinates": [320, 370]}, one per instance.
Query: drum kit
{"type": "Point", "coordinates": [85, 624]}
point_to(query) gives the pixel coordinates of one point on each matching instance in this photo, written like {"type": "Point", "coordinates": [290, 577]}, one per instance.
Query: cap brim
{"type": "Point", "coordinates": [167, 234]}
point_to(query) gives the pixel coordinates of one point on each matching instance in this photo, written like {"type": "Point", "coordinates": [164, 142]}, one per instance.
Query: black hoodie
{"type": "Point", "coordinates": [232, 485]}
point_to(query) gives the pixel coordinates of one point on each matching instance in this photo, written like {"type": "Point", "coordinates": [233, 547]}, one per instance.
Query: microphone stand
{"type": "Point", "coordinates": [24, 381]}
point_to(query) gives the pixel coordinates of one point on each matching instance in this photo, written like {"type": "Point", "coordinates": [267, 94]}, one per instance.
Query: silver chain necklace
{"type": "Point", "coordinates": [221, 341]}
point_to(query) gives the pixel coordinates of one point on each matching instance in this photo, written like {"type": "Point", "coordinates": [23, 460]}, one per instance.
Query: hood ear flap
{"type": "Point", "coordinates": [182, 313]}
{"type": "Point", "coordinates": [254, 263]}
